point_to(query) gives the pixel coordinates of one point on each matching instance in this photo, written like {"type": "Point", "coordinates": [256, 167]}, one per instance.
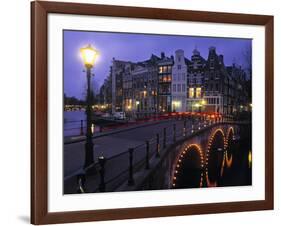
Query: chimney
{"type": "Point", "coordinates": [162, 55]}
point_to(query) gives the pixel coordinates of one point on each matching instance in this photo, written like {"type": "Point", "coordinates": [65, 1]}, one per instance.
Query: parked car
{"type": "Point", "coordinates": [119, 115]}
{"type": "Point", "coordinates": [106, 115]}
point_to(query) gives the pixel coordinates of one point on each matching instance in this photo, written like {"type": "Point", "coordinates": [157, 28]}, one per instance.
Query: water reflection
{"type": "Point", "coordinates": [228, 163]}
{"type": "Point", "coordinates": [188, 173]}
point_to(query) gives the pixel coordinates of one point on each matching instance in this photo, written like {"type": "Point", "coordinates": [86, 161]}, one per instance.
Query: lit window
{"type": "Point", "coordinates": [191, 92]}
{"type": "Point", "coordinates": [169, 69]}
{"type": "Point", "coordinates": [198, 92]}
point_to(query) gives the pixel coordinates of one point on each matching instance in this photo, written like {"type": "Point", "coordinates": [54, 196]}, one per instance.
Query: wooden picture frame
{"type": "Point", "coordinates": [39, 111]}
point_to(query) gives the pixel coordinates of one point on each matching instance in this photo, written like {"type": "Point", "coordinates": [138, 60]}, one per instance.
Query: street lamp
{"type": "Point", "coordinates": [138, 107]}
{"type": "Point", "coordinates": [203, 102]}
{"type": "Point", "coordinates": [89, 56]}
{"type": "Point", "coordinates": [198, 106]}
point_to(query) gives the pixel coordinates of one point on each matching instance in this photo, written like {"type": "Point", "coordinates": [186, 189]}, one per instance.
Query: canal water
{"type": "Point", "coordinates": [229, 167]}
{"type": "Point", "coordinates": [72, 123]}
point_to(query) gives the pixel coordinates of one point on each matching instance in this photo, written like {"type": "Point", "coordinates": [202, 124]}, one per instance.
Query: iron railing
{"type": "Point", "coordinates": [114, 171]}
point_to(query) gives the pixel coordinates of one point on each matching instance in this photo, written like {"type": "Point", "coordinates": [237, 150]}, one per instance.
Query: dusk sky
{"type": "Point", "coordinates": [136, 47]}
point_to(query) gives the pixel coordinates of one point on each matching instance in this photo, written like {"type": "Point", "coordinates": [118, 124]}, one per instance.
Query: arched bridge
{"type": "Point", "coordinates": [202, 159]}
{"type": "Point", "coordinates": [187, 155]}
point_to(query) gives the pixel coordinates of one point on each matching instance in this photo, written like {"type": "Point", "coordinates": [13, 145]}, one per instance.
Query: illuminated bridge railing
{"type": "Point", "coordinates": [78, 127]}
{"type": "Point", "coordinates": [115, 171]}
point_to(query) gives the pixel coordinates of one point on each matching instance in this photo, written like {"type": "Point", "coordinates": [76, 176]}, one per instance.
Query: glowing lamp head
{"type": "Point", "coordinates": [89, 55]}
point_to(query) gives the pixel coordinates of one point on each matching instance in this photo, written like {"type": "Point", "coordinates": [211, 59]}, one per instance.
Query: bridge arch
{"type": "Point", "coordinates": [188, 167]}
{"type": "Point", "coordinates": [229, 135]}
{"type": "Point", "coordinates": [229, 147]}
{"type": "Point", "coordinates": [215, 157]}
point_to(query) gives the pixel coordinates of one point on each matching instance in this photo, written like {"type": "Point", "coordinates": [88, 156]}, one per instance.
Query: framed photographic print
{"type": "Point", "coordinates": [145, 112]}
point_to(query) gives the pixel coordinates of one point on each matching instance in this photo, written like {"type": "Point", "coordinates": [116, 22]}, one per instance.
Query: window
{"type": "Point", "coordinates": [198, 92]}
{"type": "Point", "coordinates": [191, 92]}
{"type": "Point", "coordinates": [169, 78]}
{"type": "Point", "coordinates": [183, 88]}
{"type": "Point", "coordinates": [179, 87]}
{"type": "Point", "coordinates": [217, 87]}
{"type": "Point", "coordinates": [160, 70]}
{"type": "Point", "coordinates": [174, 88]}
{"type": "Point", "coordinates": [179, 67]}
{"type": "Point", "coordinates": [169, 69]}
{"type": "Point", "coordinates": [179, 76]}
{"type": "Point", "coordinates": [174, 77]}
{"type": "Point", "coordinates": [179, 59]}
{"type": "Point", "coordinates": [183, 76]}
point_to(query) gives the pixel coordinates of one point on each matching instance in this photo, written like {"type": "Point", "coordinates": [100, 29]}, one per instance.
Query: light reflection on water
{"type": "Point", "coordinates": [72, 123]}
{"type": "Point", "coordinates": [233, 168]}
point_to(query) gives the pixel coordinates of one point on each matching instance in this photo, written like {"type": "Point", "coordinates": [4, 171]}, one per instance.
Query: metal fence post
{"type": "Point", "coordinates": [174, 133]}
{"type": "Point", "coordinates": [147, 155]}
{"type": "Point", "coordinates": [131, 180]}
{"type": "Point", "coordinates": [102, 161]}
{"type": "Point", "coordinates": [81, 128]}
{"type": "Point", "coordinates": [192, 128]}
{"type": "Point", "coordinates": [164, 137]}
{"type": "Point", "coordinates": [199, 125]}
{"type": "Point", "coordinates": [157, 145]}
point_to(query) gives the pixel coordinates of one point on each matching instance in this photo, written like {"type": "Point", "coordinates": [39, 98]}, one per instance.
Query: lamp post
{"type": "Point", "coordinates": [198, 107]}
{"type": "Point", "coordinates": [138, 108]}
{"type": "Point", "coordinates": [89, 55]}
